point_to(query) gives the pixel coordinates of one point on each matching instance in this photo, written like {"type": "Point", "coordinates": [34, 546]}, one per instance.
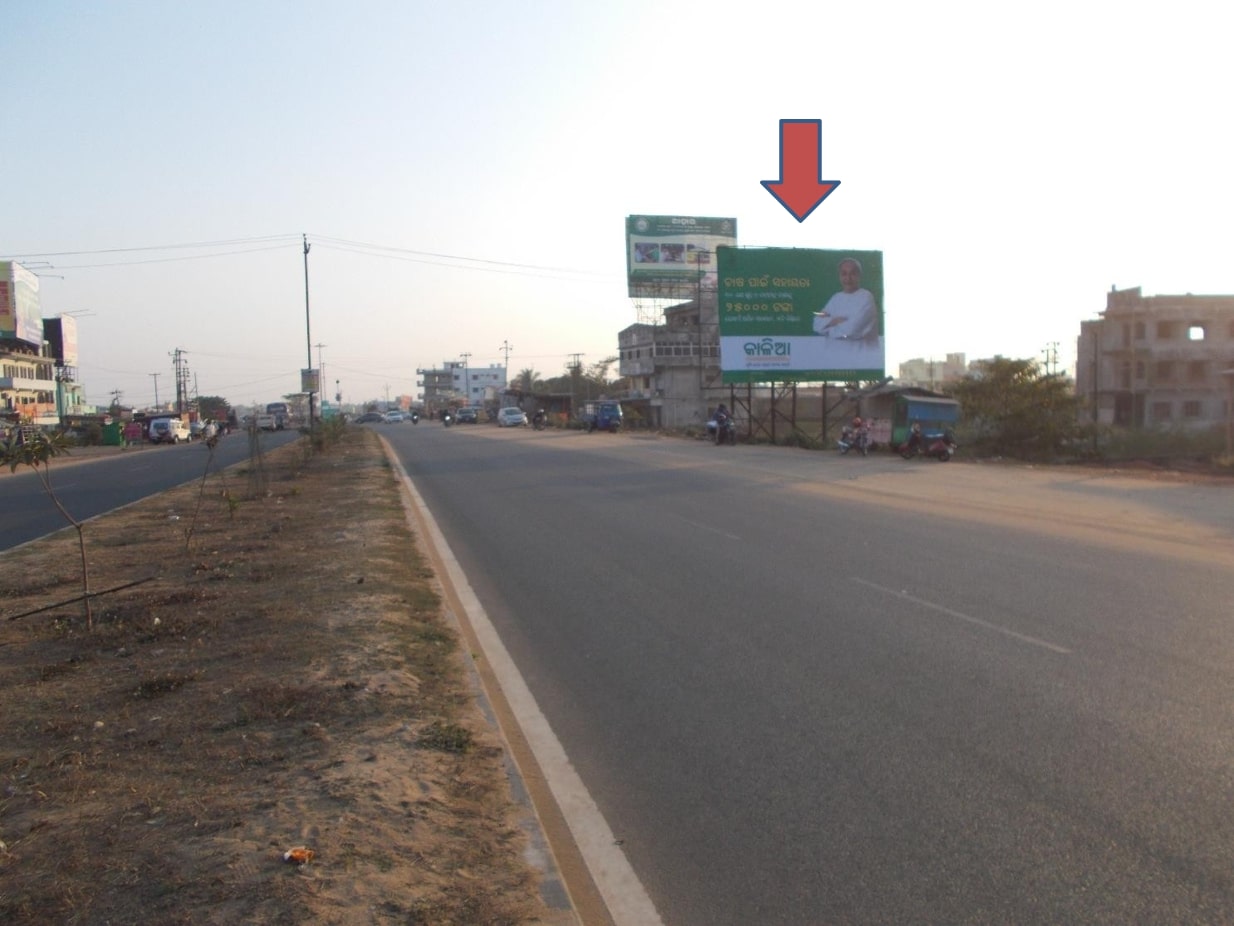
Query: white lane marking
{"type": "Point", "coordinates": [627, 901]}
{"type": "Point", "coordinates": [968, 618]}
{"type": "Point", "coordinates": [708, 527]}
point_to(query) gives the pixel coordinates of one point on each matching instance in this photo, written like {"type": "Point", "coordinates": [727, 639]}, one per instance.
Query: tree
{"type": "Point", "coordinates": [528, 381]}
{"type": "Point", "coordinates": [1014, 409]}
{"type": "Point", "coordinates": [213, 408]}
{"type": "Point", "coordinates": [37, 451]}
{"type": "Point", "coordinates": [598, 371]}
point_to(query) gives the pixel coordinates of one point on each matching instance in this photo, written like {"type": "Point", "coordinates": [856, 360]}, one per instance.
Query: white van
{"type": "Point", "coordinates": [168, 431]}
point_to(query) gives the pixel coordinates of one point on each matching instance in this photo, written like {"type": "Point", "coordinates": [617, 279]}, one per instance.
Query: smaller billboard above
{"type": "Point", "coordinates": [674, 256]}
{"type": "Point", "coordinates": [21, 316]}
{"type": "Point", "coordinates": [60, 333]}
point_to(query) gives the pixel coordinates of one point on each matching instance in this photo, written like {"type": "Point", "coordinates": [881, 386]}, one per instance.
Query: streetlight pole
{"type": "Point", "coordinates": [308, 336]}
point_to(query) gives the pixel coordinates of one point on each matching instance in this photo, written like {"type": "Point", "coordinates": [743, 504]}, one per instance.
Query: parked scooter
{"type": "Point", "coordinates": [935, 445]}
{"type": "Point", "coordinates": [854, 437]}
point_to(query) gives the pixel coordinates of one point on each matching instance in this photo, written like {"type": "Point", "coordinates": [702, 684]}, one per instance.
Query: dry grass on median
{"type": "Point", "coordinates": [286, 678]}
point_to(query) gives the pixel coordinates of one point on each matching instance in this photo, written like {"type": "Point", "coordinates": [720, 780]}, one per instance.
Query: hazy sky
{"type": "Point", "coordinates": [463, 171]}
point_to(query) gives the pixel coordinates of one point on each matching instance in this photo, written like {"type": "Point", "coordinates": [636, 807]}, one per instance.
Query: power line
{"type": "Point", "coordinates": [157, 247]}
{"type": "Point", "coordinates": [457, 257]}
{"type": "Point", "coordinates": [164, 260]}
{"type": "Point", "coordinates": [432, 258]}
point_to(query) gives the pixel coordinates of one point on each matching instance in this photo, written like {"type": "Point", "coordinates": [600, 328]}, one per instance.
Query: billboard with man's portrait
{"type": "Point", "coordinates": [800, 315]}
{"type": "Point", "coordinates": [674, 256]}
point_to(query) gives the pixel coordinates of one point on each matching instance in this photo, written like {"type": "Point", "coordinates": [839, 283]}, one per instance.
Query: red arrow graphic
{"type": "Point", "coordinates": [801, 188]}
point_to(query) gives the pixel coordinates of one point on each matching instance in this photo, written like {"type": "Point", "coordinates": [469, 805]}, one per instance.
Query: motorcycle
{"type": "Point", "coordinates": [726, 431]}
{"type": "Point", "coordinates": [854, 439]}
{"type": "Point", "coordinates": [936, 445]}
{"type": "Point", "coordinates": [447, 419]}
{"type": "Point", "coordinates": [415, 417]}
{"type": "Point", "coordinates": [539, 420]}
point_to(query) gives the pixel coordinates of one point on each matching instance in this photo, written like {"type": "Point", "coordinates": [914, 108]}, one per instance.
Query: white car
{"type": "Point", "coordinates": [511, 417]}
{"type": "Point", "coordinates": [168, 431]}
{"type": "Point", "coordinates": [394, 416]}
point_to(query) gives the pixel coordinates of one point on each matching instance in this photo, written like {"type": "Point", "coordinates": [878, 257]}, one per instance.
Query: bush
{"type": "Point", "coordinates": [1160, 443]}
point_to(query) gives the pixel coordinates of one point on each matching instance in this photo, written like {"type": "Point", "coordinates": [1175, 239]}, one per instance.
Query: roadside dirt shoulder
{"type": "Point", "coordinates": [283, 678]}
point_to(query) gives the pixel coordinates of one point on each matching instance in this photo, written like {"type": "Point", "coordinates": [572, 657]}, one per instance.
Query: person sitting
{"type": "Point", "coordinates": [914, 438]}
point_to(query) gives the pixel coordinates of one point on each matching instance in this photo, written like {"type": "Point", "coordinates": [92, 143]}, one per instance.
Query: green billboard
{"type": "Point", "coordinates": [673, 256]}
{"type": "Point", "coordinates": [800, 315]}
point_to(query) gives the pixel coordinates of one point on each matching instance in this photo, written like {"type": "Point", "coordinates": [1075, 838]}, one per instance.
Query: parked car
{"type": "Point", "coordinates": [168, 431]}
{"type": "Point", "coordinates": [511, 417]}
{"type": "Point", "coordinates": [467, 415]}
{"type": "Point", "coordinates": [370, 418]}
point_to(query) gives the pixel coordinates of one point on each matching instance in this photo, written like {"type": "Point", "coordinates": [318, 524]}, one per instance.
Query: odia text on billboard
{"type": "Point", "coordinates": [673, 256]}
{"type": "Point", "coordinates": [800, 315]}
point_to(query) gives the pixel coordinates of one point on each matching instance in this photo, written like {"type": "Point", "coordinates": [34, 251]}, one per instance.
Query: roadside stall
{"type": "Point", "coordinates": [934, 413]}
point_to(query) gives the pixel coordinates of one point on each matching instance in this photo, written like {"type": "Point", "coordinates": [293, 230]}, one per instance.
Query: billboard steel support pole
{"type": "Point", "coordinates": [308, 336]}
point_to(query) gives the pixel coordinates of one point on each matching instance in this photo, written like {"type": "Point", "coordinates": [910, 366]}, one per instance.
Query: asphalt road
{"type": "Point", "coordinates": [810, 689]}
{"type": "Point", "coordinates": [112, 479]}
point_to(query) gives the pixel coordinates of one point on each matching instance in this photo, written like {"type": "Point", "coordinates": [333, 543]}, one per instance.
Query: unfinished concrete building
{"type": "Point", "coordinates": [1158, 361]}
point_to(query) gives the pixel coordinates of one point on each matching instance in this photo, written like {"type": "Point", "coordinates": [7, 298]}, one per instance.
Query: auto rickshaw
{"type": "Point", "coordinates": [935, 414]}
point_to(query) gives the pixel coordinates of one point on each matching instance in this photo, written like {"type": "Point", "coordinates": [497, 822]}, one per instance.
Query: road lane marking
{"type": "Point", "coordinates": [620, 889]}
{"type": "Point", "coordinates": [708, 527]}
{"type": "Point", "coordinates": [967, 618]}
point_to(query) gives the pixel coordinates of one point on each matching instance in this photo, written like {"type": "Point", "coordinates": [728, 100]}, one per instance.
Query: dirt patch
{"type": "Point", "coordinates": [286, 678]}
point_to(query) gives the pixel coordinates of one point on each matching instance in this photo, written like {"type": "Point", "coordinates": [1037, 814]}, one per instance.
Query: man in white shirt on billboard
{"type": "Point", "coordinates": [851, 314]}
{"type": "Point", "coordinates": [850, 324]}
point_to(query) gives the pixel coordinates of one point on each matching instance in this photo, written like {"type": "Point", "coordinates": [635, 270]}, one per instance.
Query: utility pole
{"type": "Point", "coordinates": [466, 378]}
{"type": "Point", "coordinates": [576, 369]}
{"type": "Point", "coordinates": [156, 389]}
{"type": "Point", "coordinates": [308, 337]}
{"type": "Point", "coordinates": [1051, 358]}
{"type": "Point", "coordinates": [177, 357]}
{"type": "Point", "coordinates": [321, 368]}
{"type": "Point", "coordinates": [505, 348]}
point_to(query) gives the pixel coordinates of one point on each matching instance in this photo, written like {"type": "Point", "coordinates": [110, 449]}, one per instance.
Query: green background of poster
{"type": "Point", "coordinates": [774, 293]}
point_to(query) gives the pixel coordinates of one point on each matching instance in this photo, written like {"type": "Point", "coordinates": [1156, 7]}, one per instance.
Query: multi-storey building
{"type": "Point", "coordinates": [456, 382]}
{"type": "Point", "coordinates": [27, 384]}
{"type": "Point", "coordinates": [675, 367]}
{"type": "Point", "coordinates": [1158, 361]}
{"type": "Point", "coordinates": [932, 374]}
